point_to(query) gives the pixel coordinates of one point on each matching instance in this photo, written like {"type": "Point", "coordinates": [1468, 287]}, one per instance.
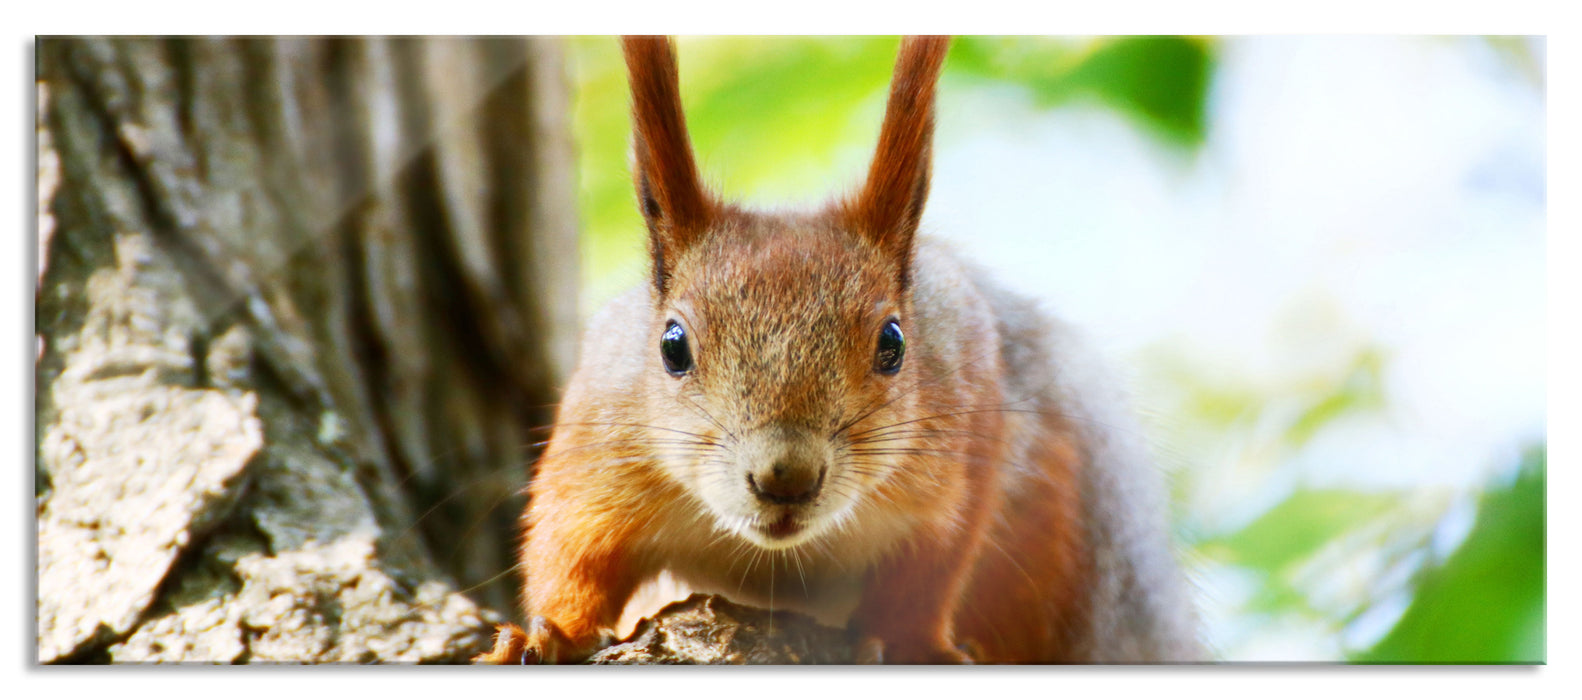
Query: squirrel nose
{"type": "Point", "coordinates": [786, 484]}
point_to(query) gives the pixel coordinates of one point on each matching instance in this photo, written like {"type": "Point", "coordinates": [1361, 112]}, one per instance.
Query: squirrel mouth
{"type": "Point", "coordinates": [782, 527]}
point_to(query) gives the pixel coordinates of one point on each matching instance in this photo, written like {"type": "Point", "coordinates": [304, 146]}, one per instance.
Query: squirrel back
{"type": "Point", "coordinates": [822, 412]}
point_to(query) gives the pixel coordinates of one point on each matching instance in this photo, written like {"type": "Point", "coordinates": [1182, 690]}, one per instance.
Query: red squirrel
{"type": "Point", "coordinates": [824, 412]}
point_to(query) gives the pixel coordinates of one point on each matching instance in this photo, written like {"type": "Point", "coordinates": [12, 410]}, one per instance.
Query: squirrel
{"type": "Point", "coordinates": [827, 405]}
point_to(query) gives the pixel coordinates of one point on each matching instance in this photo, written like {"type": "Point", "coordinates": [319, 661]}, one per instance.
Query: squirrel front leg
{"type": "Point", "coordinates": [580, 573]}
{"type": "Point", "coordinates": [907, 606]}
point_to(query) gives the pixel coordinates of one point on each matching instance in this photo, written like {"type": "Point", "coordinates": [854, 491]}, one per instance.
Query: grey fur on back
{"type": "Point", "coordinates": [1140, 610]}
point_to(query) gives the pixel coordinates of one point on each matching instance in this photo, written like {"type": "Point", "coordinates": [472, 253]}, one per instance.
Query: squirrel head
{"type": "Point", "coordinates": [778, 338]}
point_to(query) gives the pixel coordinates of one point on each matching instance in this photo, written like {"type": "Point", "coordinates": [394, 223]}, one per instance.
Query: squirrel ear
{"type": "Point", "coordinates": [674, 203]}
{"type": "Point", "coordinates": [890, 205]}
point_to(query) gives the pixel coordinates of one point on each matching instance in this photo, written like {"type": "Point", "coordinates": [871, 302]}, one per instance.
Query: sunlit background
{"type": "Point", "coordinates": [1317, 263]}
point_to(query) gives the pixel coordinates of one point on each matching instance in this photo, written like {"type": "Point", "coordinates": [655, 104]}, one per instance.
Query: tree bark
{"type": "Point", "coordinates": [708, 629]}
{"type": "Point", "coordinates": [302, 306]}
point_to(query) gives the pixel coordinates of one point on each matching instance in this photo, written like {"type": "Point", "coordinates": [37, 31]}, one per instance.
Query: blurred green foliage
{"type": "Point", "coordinates": [1279, 543]}
{"type": "Point", "coordinates": [1292, 532]}
{"type": "Point", "coordinates": [784, 118]}
{"type": "Point", "coordinates": [1161, 82]}
{"type": "Point", "coordinates": [1486, 603]}
{"type": "Point", "coordinates": [1334, 561]}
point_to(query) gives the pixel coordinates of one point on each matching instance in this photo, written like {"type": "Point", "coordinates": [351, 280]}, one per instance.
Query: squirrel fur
{"type": "Point", "coordinates": [824, 412]}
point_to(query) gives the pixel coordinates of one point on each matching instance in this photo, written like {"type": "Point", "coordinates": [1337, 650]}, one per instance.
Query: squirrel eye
{"type": "Point", "coordinates": [892, 349]}
{"type": "Point", "coordinates": [674, 351]}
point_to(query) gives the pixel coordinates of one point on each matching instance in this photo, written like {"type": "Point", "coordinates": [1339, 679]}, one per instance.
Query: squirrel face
{"type": "Point", "coordinates": [777, 378]}
{"type": "Point", "coordinates": [779, 339]}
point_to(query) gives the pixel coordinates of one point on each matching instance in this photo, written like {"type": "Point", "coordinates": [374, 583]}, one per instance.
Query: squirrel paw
{"type": "Point", "coordinates": [541, 643]}
{"type": "Point", "coordinates": [873, 650]}
{"type": "Point", "coordinates": [509, 641]}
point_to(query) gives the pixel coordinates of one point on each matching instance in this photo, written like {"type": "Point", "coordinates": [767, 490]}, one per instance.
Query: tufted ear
{"type": "Point", "coordinates": [675, 205]}
{"type": "Point", "coordinates": [889, 206]}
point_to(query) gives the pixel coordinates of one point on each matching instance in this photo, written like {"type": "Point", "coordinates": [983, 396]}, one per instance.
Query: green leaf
{"type": "Point", "coordinates": [1298, 527]}
{"type": "Point", "coordinates": [1161, 82]}
{"type": "Point", "coordinates": [1487, 603]}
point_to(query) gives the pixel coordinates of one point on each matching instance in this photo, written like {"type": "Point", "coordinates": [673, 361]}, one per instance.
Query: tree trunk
{"type": "Point", "coordinates": [302, 304]}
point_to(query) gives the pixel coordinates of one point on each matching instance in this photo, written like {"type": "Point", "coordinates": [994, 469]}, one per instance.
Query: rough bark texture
{"type": "Point", "coordinates": [708, 629]}
{"type": "Point", "coordinates": [301, 305]}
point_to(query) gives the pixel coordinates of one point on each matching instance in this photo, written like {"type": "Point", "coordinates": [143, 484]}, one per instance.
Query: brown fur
{"type": "Point", "coordinates": [890, 204]}
{"type": "Point", "coordinates": [675, 204]}
{"type": "Point", "coordinates": [973, 500]}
